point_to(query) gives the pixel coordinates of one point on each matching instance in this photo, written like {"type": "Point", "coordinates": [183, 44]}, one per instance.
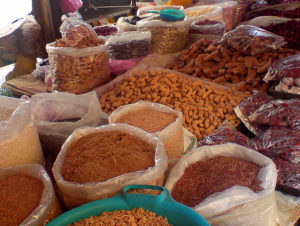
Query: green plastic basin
{"type": "Point", "coordinates": [162, 204]}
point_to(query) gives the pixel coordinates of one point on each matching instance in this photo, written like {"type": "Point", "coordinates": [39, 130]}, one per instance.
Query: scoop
{"type": "Point", "coordinates": [169, 14]}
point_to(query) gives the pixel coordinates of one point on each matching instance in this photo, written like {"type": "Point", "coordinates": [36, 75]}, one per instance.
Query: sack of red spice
{"type": "Point", "coordinates": [278, 113]}
{"type": "Point", "coordinates": [251, 40]}
{"type": "Point", "coordinates": [223, 208]}
{"type": "Point", "coordinates": [226, 133]}
{"type": "Point", "coordinates": [48, 207]}
{"type": "Point", "coordinates": [249, 106]}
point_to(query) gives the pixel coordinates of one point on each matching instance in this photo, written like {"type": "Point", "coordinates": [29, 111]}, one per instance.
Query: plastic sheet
{"type": "Point", "coordinates": [251, 40]}
{"type": "Point", "coordinates": [171, 136]}
{"type": "Point", "coordinates": [74, 194]}
{"type": "Point", "coordinates": [54, 115]}
{"type": "Point", "coordinates": [241, 204]}
{"type": "Point", "coordinates": [278, 113]}
{"type": "Point", "coordinates": [48, 207]}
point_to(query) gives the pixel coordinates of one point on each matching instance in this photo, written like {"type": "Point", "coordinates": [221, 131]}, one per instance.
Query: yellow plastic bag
{"type": "Point", "coordinates": [184, 3]}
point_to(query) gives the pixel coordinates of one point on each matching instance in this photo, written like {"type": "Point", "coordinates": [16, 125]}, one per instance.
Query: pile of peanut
{"type": "Point", "coordinates": [209, 60]}
{"type": "Point", "coordinates": [204, 107]}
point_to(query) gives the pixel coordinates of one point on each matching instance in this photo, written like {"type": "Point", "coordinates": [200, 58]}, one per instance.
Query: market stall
{"type": "Point", "coordinates": [159, 119]}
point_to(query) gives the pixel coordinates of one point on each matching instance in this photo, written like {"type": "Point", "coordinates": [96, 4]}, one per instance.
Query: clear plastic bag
{"type": "Point", "coordinates": [49, 207]}
{"type": "Point", "coordinates": [129, 45]}
{"type": "Point", "coordinates": [208, 27]}
{"type": "Point", "coordinates": [226, 133]}
{"type": "Point", "coordinates": [19, 140]}
{"type": "Point", "coordinates": [229, 9]}
{"type": "Point", "coordinates": [171, 136]}
{"type": "Point", "coordinates": [249, 106]}
{"type": "Point", "coordinates": [278, 113]}
{"type": "Point", "coordinates": [74, 194]}
{"type": "Point", "coordinates": [204, 12]}
{"type": "Point", "coordinates": [167, 37]}
{"type": "Point", "coordinates": [285, 67]}
{"type": "Point", "coordinates": [282, 141]}
{"type": "Point", "coordinates": [57, 115]}
{"type": "Point", "coordinates": [222, 204]}
{"type": "Point", "coordinates": [251, 40]}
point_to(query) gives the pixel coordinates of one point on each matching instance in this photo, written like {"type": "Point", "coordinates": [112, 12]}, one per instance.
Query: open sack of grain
{"type": "Point", "coordinates": [27, 196]}
{"type": "Point", "coordinates": [57, 115]}
{"type": "Point", "coordinates": [227, 184]}
{"type": "Point", "coordinates": [19, 141]}
{"type": "Point", "coordinates": [97, 163]}
{"type": "Point", "coordinates": [160, 120]}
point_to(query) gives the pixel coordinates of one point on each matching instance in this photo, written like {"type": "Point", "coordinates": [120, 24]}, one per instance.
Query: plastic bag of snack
{"type": "Point", "coordinates": [241, 9]}
{"type": "Point", "coordinates": [77, 33]}
{"type": "Point", "coordinates": [208, 27]}
{"type": "Point", "coordinates": [19, 140]}
{"type": "Point", "coordinates": [226, 133]}
{"type": "Point", "coordinates": [249, 106]}
{"type": "Point", "coordinates": [287, 68]}
{"type": "Point", "coordinates": [229, 9]}
{"type": "Point", "coordinates": [252, 40]}
{"type": "Point", "coordinates": [129, 45]}
{"type": "Point", "coordinates": [57, 115]}
{"type": "Point", "coordinates": [282, 141]}
{"type": "Point", "coordinates": [278, 113]}
{"type": "Point", "coordinates": [223, 208]}
{"type": "Point", "coordinates": [204, 12]}
{"type": "Point", "coordinates": [168, 128]}
{"type": "Point", "coordinates": [137, 157]}
{"type": "Point", "coordinates": [35, 178]}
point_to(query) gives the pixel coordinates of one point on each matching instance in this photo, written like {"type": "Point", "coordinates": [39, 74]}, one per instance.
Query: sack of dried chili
{"type": "Point", "coordinates": [221, 208]}
{"type": "Point", "coordinates": [278, 113]}
{"type": "Point", "coordinates": [280, 141]}
{"type": "Point", "coordinates": [226, 133]}
{"type": "Point", "coordinates": [249, 106]}
{"type": "Point", "coordinates": [252, 40]}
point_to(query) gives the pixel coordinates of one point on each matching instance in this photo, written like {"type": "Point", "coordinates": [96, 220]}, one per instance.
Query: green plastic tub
{"type": "Point", "coordinates": [162, 204]}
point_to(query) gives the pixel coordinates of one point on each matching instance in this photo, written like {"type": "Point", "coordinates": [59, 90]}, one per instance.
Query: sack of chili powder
{"type": "Point", "coordinates": [237, 205]}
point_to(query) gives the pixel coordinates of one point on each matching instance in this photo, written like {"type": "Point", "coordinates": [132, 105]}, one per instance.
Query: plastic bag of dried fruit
{"type": "Point", "coordinates": [249, 106]}
{"type": "Point", "coordinates": [74, 194]}
{"type": "Point", "coordinates": [252, 40]}
{"type": "Point", "coordinates": [286, 69]}
{"type": "Point", "coordinates": [19, 140]}
{"type": "Point", "coordinates": [57, 115]}
{"type": "Point", "coordinates": [226, 133]}
{"type": "Point", "coordinates": [171, 135]}
{"type": "Point", "coordinates": [49, 206]}
{"type": "Point", "coordinates": [237, 205]}
{"type": "Point", "coordinates": [278, 113]}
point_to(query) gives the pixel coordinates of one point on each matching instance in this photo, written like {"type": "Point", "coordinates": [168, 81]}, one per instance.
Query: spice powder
{"type": "Point", "coordinates": [100, 156]}
{"type": "Point", "coordinates": [205, 178]}
{"type": "Point", "coordinates": [149, 120]}
{"type": "Point", "coordinates": [19, 195]}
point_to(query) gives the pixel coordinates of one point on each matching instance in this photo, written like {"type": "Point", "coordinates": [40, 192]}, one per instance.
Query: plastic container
{"type": "Point", "coordinates": [163, 204]}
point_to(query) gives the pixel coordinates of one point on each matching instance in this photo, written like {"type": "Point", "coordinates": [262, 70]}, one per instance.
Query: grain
{"type": "Point", "coordinates": [204, 178]}
{"type": "Point", "coordinates": [98, 157]}
{"type": "Point", "coordinates": [147, 119]}
{"type": "Point", "coordinates": [19, 195]}
{"type": "Point", "coordinates": [138, 216]}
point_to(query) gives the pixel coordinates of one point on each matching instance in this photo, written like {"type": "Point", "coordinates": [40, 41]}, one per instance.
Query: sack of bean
{"type": "Point", "coordinates": [126, 24]}
{"type": "Point", "coordinates": [106, 30]}
{"type": "Point", "coordinates": [57, 115]}
{"type": "Point", "coordinates": [129, 45]}
{"type": "Point", "coordinates": [19, 140]}
{"type": "Point", "coordinates": [167, 37]}
{"type": "Point", "coordinates": [97, 163]}
{"type": "Point", "coordinates": [252, 40]}
{"type": "Point", "coordinates": [158, 119]}
{"type": "Point", "coordinates": [78, 61]}
{"type": "Point", "coordinates": [227, 184]}
{"type": "Point", "coordinates": [27, 196]}
{"type": "Point", "coordinates": [204, 12]}
{"type": "Point", "coordinates": [144, 10]}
